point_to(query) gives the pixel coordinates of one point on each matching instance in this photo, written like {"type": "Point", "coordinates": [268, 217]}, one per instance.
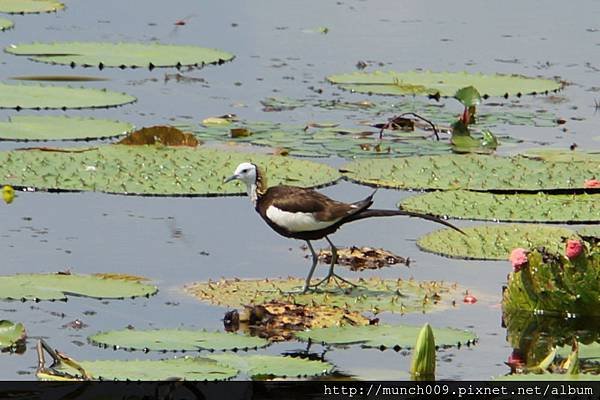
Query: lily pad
{"type": "Point", "coordinates": [269, 366]}
{"type": "Point", "coordinates": [474, 172]}
{"type": "Point", "coordinates": [539, 207]}
{"type": "Point", "coordinates": [120, 54]}
{"type": "Point", "coordinates": [59, 286]}
{"type": "Point", "coordinates": [385, 336]}
{"type": "Point", "coordinates": [445, 84]}
{"type": "Point", "coordinates": [29, 6]}
{"type": "Point", "coordinates": [560, 155]}
{"type": "Point", "coordinates": [176, 340]}
{"type": "Point", "coordinates": [5, 24]}
{"type": "Point", "coordinates": [373, 295]}
{"type": "Point", "coordinates": [161, 134]}
{"type": "Point", "coordinates": [59, 97]}
{"type": "Point", "coordinates": [47, 127]}
{"type": "Point", "coordinates": [150, 170]}
{"type": "Point", "coordinates": [589, 231]}
{"type": "Point", "coordinates": [493, 242]}
{"type": "Point", "coordinates": [10, 334]}
{"type": "Point", "coordinates": [187, 368]}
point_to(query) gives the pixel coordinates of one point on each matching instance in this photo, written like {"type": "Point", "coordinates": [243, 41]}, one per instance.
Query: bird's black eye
{"type": "Point", "coordinates": [246, 170]}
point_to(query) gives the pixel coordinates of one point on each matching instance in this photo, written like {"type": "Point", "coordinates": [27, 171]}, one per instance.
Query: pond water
{"type": "Point", "coordinates": [279, 52]}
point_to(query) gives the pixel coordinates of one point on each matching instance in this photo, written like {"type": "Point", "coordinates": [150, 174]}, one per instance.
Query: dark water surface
{"type": "Point", "coordinates": [278, 52]}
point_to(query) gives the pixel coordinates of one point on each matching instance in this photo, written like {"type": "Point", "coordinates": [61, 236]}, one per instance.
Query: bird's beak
{"type": "Point", "coordinates": [231, 178]}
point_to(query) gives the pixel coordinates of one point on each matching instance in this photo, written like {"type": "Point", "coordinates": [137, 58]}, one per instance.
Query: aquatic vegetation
{"type": "Point", "coordinates": [150, 170]}
{"type": "Point", "coordinates": [49, 127]}
{"type": "Point", "coordinates": [175, 340]}
{"type": "Point", "coordinates": [11, 335]}
{"type": "Point", "coordinates": [492, 242]}
{"type": "Point", "coordinates": [361, 258]}
{"type": "Point", "coordinates": [372, 295]}
{"type": "Point", "coordinates": [6, 24]}
{"type": "Point", "coordinates": [57, 286]}
{"type": "Point", "coordinates": [396, 337]}
{"type": "Point", "coordinates": [8, 194]}
{"type": "Point", "coordinates": [37, 97]}
{"type": "Point", "coordinates": [473, 172]}
{"type": "Point", "coordinates": [30, 6]}
{"type": "Point", "coordinates": [422, 366]}
{"type": "Point", "coordinates": [121, 55]}
{"type": "Point", "coordinates": [260, 366]}
{"type": "Point", "coordinates": [562, 282]}
{"type": "Point", "coordinates": [520, 207]}
{"type": "Point", "coordinates": [163, 134]}
{"type": "Point", "coordinates": [443, 84]}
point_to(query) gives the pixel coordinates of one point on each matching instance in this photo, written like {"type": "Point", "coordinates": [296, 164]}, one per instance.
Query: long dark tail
{"type": "Point", "coordinates": [390, 213]}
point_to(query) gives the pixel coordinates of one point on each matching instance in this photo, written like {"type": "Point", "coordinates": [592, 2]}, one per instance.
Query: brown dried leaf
{"type": "Point", "coordinates": [361, 258]}
{"type": "Point", "coordinates": [160, 134]}
{"type": "Point", "coordinates": [278, 320]}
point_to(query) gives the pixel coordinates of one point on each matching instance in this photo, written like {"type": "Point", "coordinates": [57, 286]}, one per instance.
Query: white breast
{"type": "Point", "coordinates": [297, 221]}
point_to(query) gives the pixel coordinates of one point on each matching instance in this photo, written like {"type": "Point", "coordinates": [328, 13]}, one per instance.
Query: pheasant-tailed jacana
{"type": "Point", "coordinates": [305, 214]}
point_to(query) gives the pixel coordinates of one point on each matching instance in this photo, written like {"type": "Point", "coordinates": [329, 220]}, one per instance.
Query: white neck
{"type": "Point", "coordinates": [251, 190]}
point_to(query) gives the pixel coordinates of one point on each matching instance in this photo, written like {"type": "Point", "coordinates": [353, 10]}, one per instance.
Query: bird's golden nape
{"type": "Point", "coordinates": [261, 180]}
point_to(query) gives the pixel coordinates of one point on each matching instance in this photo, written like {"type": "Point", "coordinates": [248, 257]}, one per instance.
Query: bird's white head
{"type": "Point", "coordinates": [248, 174]}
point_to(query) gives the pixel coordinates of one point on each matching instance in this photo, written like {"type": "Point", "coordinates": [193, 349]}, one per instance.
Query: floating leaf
{"type": "Point", "coordinates": [176, 340]}
{"type": "Point", "coordinates": [5, 23]}
{"type": "Point", "coordinates": [10, 334]}
{"type": "Point", "coordinates": [162, 134]}
{"type": "Point", "coordinates": [47, 127]}
{"type": "Point", "coordinates": [150, 170]}
{"type": "Point", "coordinates": [361, 258]}
{"type": "Point", "coordinates": [539, 207]}
{"type": "Point", "coordinates": [120, 54]}
{"type": "Point", "coordinates": [374, 295]}
{"type": "Point", "coordinates": [187, 368]}
{"type": "Point", "coordinates": [474, 172]}
{"type": "Point", "coordinates": [560, 155]}
{"type": "Point", "coordinates": [59, 97]}
{"type": "Point", "coordinates": [469, 96]}
{"type": "Point", "coordinates": [30, 6]}
{"type": "Point", "coordinates": [268, 366]}
{"type": "Point", "coordinates": [58, 286]}
{"type": "Point", "coordinates": [492, 242]}
{"type": "Point", "coordinates": [589, 231]}
{"type": "Point", "coordinates": [59, 78]}
{"type": "Point", "coordinates": [442, 83]}
{"type": "Point", "coordinates": [385, 336]}
{"type": "Point", "coordinates": [589, 353]}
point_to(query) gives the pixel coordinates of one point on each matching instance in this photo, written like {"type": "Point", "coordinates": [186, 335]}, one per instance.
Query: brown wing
{"type": "Point", "coordinates": [296, 199]}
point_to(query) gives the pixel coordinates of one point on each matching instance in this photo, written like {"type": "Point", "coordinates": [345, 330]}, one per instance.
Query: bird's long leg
{"type": "Point", "coordinates": [312, 268]}
{"type": "Point", "coordinates": [332, 275]}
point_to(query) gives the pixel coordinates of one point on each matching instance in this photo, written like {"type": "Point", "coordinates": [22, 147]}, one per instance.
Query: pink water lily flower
{"type": "Point", "coordinates": [591, 183]}
{"type": "Point", "coordinates": [518, 259]}
{"type": "Point", "coordinates": [573, 248]}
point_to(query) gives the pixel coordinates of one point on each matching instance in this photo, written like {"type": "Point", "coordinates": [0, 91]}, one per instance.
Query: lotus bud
{"type": "Point", "coordinates": [515, 361]}
{"type": "Point", "coordinates": [573, 248]}
{"type": "Point", "coordinates": [518, 259]}
{"type": "Point", "coordinates": [591, 183]}
{"type": "Point", "coordinates": [8, 194]}
{"type": "Point", "coordinates": [423, 362]}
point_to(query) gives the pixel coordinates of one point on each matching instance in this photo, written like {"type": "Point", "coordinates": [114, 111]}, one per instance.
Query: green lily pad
{"type": "Point", "coordinates": [561, 155]}
{"type": "Point", "coordinates": [587, 352]}
{"type": "Point", "coordinates": [187, 368]}
{"type": "Point", "coordinates": [48, 127]}
{"type": "Point", "coordinates": [6, 24]}
{"type": "Point", "coordinates": [443, 83]}
{"type": "Point", "coordinates": [469, 96]}
{"type": "Point", "coordinates": [29, 6]}
{"type": "Point", "coordinates": [120, 54]}
{"type": "Point", "coordinates": [472, 171]}
{"type": "Point", "coordinates": [151, 170]}
{"type": "Point", "coordinates": [176, 340]}
{"type": "Point", "coordinates": [268, 366]}
{"type": "Point", "coordinates": [10, 334]}
{"type": "Point", "coordinates": [59, 286]}
{"type": "Point", "coordinates": [373, 295]}
{"type": "Point", "coordinates": [487, 117]}
{"type": "Point", "coordinates": [539, 207]}
{"type": "Point", "coordinates": [549, 377]}
{"type": "Point", "coordinates": [493, 242]}
{"type": "Point", "coordinates": [59, 97]}
{"type": "Point", "coordinates": [385, 336]}
{"type": "Point", "coordinates": [589, 231]}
